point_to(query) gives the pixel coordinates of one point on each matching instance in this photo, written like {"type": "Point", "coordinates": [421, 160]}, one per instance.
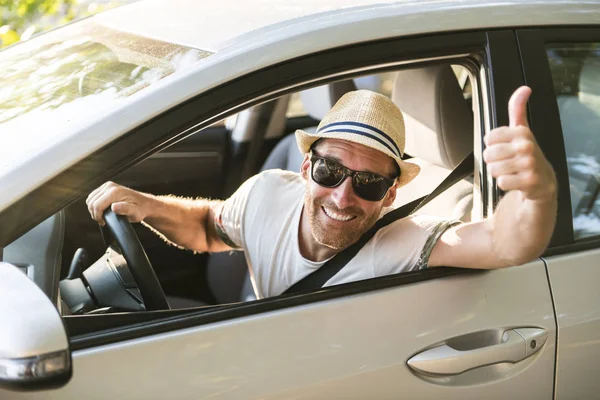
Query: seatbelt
{"type": "Point", "coordinates": [256, 145]}
{"type": "Point", "coordinates": [318, 278]}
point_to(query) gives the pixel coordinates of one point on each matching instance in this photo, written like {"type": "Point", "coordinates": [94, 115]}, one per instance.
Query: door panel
{"type": "Point", "coordinates": [351, 347]}
{"type": "Point", "coordinates": [574, 281]}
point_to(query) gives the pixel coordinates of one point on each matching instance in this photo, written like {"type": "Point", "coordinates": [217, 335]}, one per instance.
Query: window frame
{"type": "Point", "coordinates": [546, 124]}
{"type": "Point", "coordinates": [184, 120]}
{"type": "Point", "coordinates": [499, 74]}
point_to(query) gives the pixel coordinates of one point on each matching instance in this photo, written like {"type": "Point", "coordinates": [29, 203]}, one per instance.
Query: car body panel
{"type": "Point", "coordinates": [218, 26]}
{"type": "Point", "coordinates": [351, 347]}
{"type": "Point", "coordinates": [574, 281]}
{"type": "Point", "coordinates": [284, 40]}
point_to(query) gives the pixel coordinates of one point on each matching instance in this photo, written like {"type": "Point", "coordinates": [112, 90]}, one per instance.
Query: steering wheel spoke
{"type": "Point", "coordinates": [119, 230]}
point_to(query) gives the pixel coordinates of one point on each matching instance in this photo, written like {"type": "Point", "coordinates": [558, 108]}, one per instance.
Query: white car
{"type": "Point", "coordinates": [192, 97]}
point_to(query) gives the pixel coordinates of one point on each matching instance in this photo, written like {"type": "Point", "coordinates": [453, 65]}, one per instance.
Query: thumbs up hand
{"type": "Point", "coordinates": [513, 156]}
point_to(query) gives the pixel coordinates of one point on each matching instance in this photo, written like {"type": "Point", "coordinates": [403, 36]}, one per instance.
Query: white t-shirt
{"type": "Point", "coordinates": [262, 217]}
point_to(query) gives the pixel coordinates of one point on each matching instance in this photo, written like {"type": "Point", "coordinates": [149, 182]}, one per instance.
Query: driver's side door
{"type": "Point", "coordinates": [344, 343]}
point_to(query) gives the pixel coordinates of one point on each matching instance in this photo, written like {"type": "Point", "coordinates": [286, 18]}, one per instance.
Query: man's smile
{"type": "Point", "coordinates": [337, 216]}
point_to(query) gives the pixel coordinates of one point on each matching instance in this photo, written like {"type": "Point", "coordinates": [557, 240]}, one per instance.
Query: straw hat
{"type": "Point", "coordinates": [366, 118]}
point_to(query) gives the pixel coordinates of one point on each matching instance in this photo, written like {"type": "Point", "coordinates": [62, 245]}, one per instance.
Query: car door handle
{"type": "Point", "coordinates": [515, 345]}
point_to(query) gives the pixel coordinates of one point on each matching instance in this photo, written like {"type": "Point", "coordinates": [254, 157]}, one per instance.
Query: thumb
{"type": "Point", "coordinates": [517, 107]}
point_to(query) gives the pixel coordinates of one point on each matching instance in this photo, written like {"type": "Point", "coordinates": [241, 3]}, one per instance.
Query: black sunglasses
{"type": "Point", "coordinates": [367, 185]}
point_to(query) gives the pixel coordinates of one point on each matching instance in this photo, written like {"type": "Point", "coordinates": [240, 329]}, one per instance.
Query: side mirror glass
{"type": "Point", "coordinates": [34, 349]}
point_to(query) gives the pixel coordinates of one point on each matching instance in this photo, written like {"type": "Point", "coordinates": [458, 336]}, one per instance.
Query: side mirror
{"type": "Point", "coordinates": [34, 349]}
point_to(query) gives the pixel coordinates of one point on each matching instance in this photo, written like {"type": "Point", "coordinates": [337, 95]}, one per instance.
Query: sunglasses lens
{"type": "Point", "coordinates": [327, 173]}
{"type": "Point", "coordinates": [369, 186]}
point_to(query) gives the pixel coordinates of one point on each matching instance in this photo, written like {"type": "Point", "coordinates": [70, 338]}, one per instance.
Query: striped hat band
{"type": "Point", "coordinates": [362, 129]}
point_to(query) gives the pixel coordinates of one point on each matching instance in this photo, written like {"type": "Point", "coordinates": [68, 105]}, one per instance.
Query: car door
{"type": "Point", "coordinates": [564, 64]}
{"type": "Point", "coordinates": [435, 333]}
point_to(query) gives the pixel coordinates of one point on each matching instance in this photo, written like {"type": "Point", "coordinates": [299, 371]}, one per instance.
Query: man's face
{"type": "Point", "coordinates": [338, 217]}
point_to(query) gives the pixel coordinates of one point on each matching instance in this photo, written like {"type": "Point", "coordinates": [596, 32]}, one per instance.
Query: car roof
{"type": "Point", "coordinates": [250, 35]}
{"type": "Point", "coordinates": [215, 25]}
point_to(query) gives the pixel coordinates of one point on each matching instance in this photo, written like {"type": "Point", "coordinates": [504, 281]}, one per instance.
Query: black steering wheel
{"type": "Point", "coordinates": [119, 230]}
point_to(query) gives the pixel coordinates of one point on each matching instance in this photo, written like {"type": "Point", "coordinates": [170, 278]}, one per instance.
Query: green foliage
{"type": "Point", "coordinates": [58, 73]}
{"type": "Point", "coordinates": [19, 19]}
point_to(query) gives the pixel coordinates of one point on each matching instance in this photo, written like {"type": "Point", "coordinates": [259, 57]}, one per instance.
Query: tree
{"type": "Point", "coordinates": [20, 19]}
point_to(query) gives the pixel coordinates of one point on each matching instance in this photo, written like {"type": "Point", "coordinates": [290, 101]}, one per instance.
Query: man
{"type": "Point", "coordinates": [290, 224]}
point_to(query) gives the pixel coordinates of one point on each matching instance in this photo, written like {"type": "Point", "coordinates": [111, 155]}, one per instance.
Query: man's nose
{"type": "Point", "coordinates": [343, 195]}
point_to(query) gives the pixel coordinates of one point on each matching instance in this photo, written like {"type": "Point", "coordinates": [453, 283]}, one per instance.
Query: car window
{"type": "Point", "coordinates": [200, 166]}
{"type": "Point", "coordinates": [295, 107]}
{"type": "Point", "coordinates": [69, 75]}
{"type": "Point", "coordinates": [575, 71]}
{"type": "Point", "coordinates": [380, 83]}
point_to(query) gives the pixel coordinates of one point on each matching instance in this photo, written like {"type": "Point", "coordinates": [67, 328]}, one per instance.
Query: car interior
{"type": "Point", "coordinates": [436, 101]}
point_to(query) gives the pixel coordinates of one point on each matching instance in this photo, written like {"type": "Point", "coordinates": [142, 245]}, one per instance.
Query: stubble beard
{"type": "Point", "coordinates": [337, 239]}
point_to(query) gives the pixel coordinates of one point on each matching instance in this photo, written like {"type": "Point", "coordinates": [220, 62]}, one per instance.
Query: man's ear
{"type": "Point", "coordinates": [389, 198]}
{"type": "Point", "coordinates": [305, 166]}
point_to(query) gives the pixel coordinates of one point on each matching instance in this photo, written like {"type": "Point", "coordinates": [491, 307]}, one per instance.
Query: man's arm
{"type": "Point", "coordinates": [184, 222]}
{"type": "Point", "coordinates": [524, 220]}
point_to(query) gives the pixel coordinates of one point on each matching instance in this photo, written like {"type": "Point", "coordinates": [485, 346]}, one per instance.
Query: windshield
{"type": "Point", "coordinates": [68, 75]}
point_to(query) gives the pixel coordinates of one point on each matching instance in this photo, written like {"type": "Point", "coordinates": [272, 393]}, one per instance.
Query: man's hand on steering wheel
{"type": "Point", "coordinates": [132, 205]}
{"type": "Point", "coordinates": [122, 200]}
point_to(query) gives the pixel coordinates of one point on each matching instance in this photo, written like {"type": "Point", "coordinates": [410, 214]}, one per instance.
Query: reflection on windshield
{"type": "Point", "coordinates": [55, 84]}
{"type": "Point", "coordinates": [82, 60]}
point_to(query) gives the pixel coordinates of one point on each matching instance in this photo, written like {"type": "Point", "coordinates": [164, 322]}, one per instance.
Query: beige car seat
{"type": "Point", "coordinates": [439, 134]}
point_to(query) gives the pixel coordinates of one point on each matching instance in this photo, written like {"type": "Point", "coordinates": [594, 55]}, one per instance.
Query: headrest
{"type": "Point", "coordinates": [437, 118]}
{"type": "Point", "coordinates": [317, 101]}
{"type": "Point", "coordinates": [589, 81]}
{"type": "Point", "coordinates": [247, 121]}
